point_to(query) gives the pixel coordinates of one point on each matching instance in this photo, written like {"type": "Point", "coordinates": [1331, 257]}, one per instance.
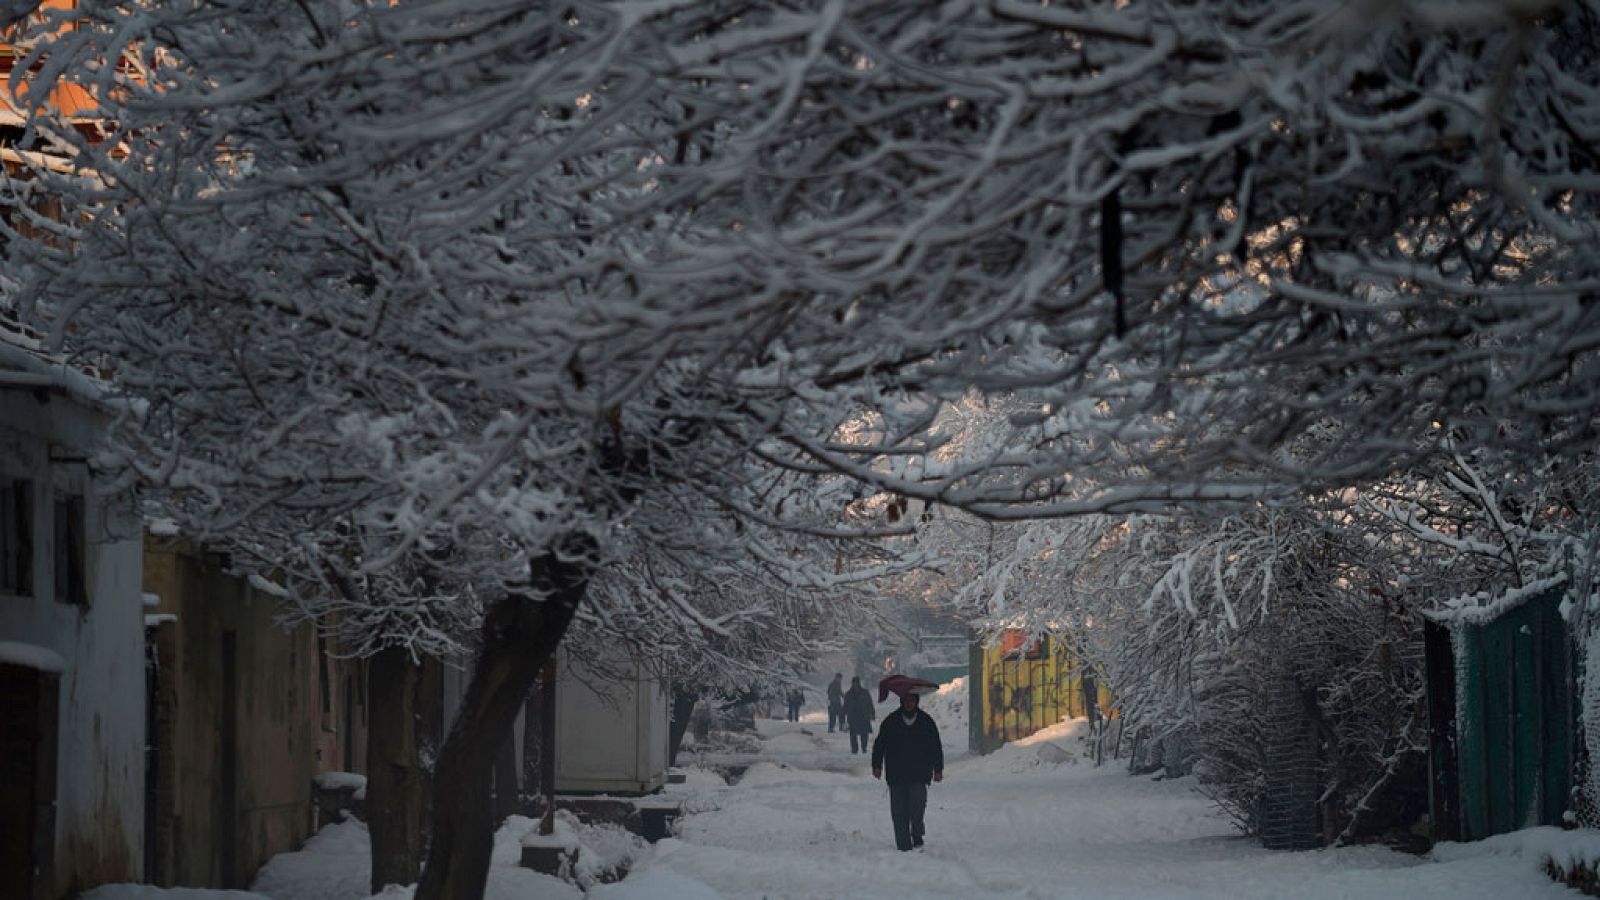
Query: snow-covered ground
{"type": "Point", "coordinates": [1030, 821]}
{"type": "Point", "coordinates": [1033, 820]}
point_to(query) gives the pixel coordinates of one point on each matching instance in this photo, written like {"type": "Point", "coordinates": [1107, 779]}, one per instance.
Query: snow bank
{"type": "Point", "coordinates": [698, 777]}
{"type": "Point", "coordinates": [336, 864]}
{"type": "Point", "coordinates": [605, 852]}
{"type": "Point", "coordinates": [655, 884]}
{"type": "Point", "coordinates": [948, 707]}
{"type": "Point", "coordinates": [151, 892]}
{"type": "Point", "coordinates": [1063, 742]}
{"type": "Point", "coordinates": [504, 884]}
{"type": "Point", "coordinates": [1563, 852]}
{"type": "Point", "coordinates": [766, 773]}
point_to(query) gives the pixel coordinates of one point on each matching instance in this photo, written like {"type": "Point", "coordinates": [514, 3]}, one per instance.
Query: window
{"type": "Point", "coordinates": [16, 536]}
{"type": "Point", "coordinates": [71, 586]}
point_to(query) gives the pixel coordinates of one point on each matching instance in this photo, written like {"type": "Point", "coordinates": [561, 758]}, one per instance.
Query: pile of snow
{"type": "Point", "coordinates": [336, 864]}
{"type": "Point", "coordinates": [605, 852]}
{"type": "Point", "coordinates": [1063, 742]}
{"type": "Point", "coordinates": [764, 773]}
{"type": "Point", "coordinates": [699, 777]}
{"type": "Point", "coordinates": [655, 884]}
{"type": "Point", "coordinates": [948, 707]}
{"type": "Point", "coordinates": [1559, 851]}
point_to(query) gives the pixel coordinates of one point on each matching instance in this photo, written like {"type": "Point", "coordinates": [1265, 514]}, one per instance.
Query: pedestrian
{"type": "Point", "coordinates": [858, 713]}
{"type": "Point", "coordinates": [908, 756]}
{"type": "Point", "coordinates": [836, 701]}
{"type": "Point", "coordinates": [796, 700]}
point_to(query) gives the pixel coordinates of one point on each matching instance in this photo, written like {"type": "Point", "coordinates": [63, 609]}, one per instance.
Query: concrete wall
{"type": "Point", "coordinates": [240, 741]}
{"type": "Point", "coordinates": [100, 762]}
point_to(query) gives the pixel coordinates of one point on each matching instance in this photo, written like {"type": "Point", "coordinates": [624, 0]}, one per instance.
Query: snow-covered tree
{"type": "Point", "coordinates": [525, 277]}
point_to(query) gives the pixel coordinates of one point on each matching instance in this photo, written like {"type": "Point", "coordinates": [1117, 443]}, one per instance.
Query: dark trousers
{"type": "Point", "coordinates": [835, 717]}
{"type": "Point", "coordinates": [858, 740]}
{"type": "Point", "coordinates": [906, 805]}
{"type": "Point", "coordinates": [794, 712]}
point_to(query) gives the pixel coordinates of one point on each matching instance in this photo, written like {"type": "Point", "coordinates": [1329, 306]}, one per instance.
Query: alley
{"type": "Point", "coordinates": [807, 821]}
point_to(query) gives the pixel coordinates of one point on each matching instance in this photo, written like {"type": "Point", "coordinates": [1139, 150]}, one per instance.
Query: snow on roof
{"type": "Point", "coordinates": [29, 656]}
{"type": "Point", "coordinates": [23, 364]}
{"type": "Point", "coordinates": [1479, 608]}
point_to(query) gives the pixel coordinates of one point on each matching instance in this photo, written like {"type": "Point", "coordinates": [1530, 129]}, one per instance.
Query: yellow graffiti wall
{"type": "Point", "coordinates": [1029, 684]}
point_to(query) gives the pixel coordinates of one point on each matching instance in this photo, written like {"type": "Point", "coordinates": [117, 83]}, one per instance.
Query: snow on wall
{"type": "Point", "coordinates": [100, 742]}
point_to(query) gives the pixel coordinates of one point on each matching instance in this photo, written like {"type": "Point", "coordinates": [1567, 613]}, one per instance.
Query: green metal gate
{"type": "Point", "coordinates": [1502, 702]}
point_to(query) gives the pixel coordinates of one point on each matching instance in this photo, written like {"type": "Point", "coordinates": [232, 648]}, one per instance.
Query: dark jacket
{"type": "Point", "coordinates": [835, 694]}
{"type": "Point", "coordinates": [908, 754]}
{"type": "Point", "coordinates": [858, 709]}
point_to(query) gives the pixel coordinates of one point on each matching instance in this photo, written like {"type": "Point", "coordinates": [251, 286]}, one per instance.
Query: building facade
{"type": "Point", "coordinates": [72, 726]}
{"type": "Point", "coordinates": [245, 714]}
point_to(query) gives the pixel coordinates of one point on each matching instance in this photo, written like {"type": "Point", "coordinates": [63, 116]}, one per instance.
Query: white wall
{"type": "Point", "coordinates": [100, 761]}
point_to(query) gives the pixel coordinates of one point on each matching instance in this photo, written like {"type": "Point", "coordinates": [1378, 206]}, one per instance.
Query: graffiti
{"type": "Point", "coordinates": [1033, 684]}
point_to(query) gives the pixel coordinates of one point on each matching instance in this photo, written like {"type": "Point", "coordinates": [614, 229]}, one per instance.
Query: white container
{"type": "Point", "coordinates": [611, 730]}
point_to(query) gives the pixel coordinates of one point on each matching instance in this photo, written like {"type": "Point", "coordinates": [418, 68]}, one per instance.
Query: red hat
{"type": "Point", "coordinates": [901, 685]}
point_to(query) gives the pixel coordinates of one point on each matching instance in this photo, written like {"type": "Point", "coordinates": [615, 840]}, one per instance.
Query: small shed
{"type": "Point", "coordinates": [1502, 703]}
{"type": "Point", "coordinates": [611, 727]}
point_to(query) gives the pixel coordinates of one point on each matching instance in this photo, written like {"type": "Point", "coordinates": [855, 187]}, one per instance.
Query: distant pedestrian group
{"type": "Point", "coordinates": [797, 699]}
{"type": "Point", "coordinates": [836, 702]}
{"type": "Point", "coordinates": [858, 714]}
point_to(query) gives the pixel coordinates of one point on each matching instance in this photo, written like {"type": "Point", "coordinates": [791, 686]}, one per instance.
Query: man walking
{"type": "Point", "coordinates": [858, 712]}
{"type": "Point", "coordinates": [836, 701]}
{"type": "Point", "coordinates": [796, 700]}
{"type": "Point", "coordinates": [907, 755]}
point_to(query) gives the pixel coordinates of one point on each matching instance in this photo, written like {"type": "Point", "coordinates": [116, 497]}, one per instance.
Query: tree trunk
{"type": "Point", "coordinates": [541, 771]}
{"type": "Point", "coordinates": [533, 742]}
{"type": "Point", "coordinates": [519, 634]}
{"type": "Point", "coordinates": [394, 771]}
{"type": "Point", "coordinates": [505, 779]}
{"type": "Point", "coordinates": [547, 763]}
{"type": "Point", "coordinates": [683, 702]}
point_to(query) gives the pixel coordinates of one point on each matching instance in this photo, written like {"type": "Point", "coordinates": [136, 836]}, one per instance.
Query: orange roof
{"type": "Point", "coordinates": [71, 100]}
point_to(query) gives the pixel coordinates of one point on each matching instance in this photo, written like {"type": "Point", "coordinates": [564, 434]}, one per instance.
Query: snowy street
{"type": "Point", "coordinates": [806, 821]}
{"type": "Point", "coordinates": [1012, 825]}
